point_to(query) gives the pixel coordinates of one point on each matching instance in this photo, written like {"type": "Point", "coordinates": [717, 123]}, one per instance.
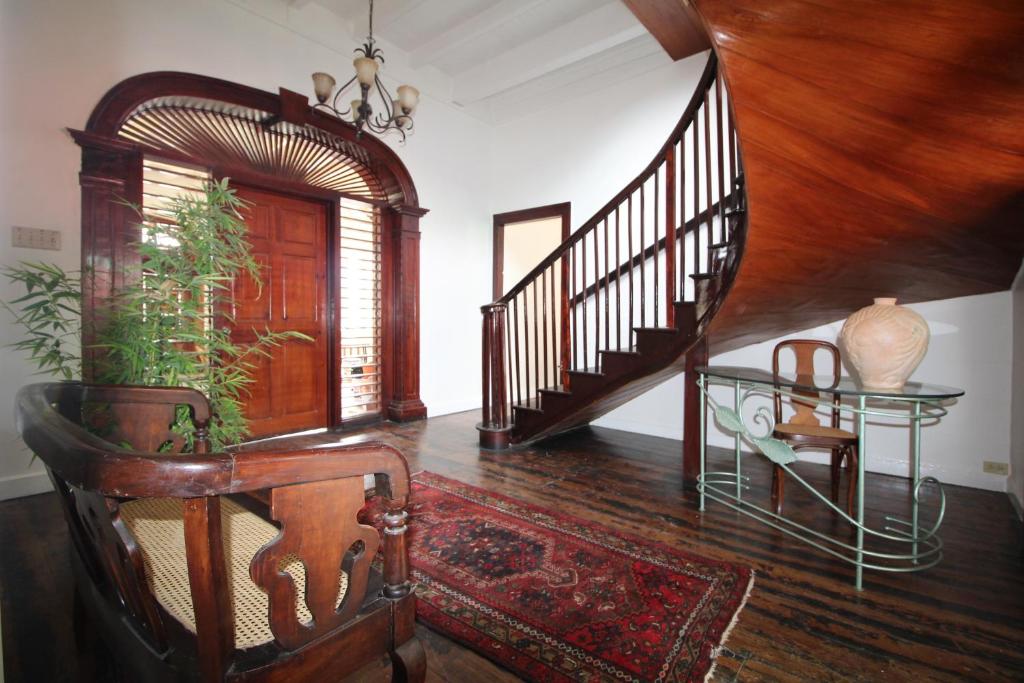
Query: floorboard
{"type": "Point", "coordinates": [962, 620]}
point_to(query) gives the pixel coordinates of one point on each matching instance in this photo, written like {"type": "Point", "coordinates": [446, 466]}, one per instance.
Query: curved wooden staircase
{"type": "Point", "coordinates": [613, 310]}
{"type": "Point", "coordinates": [882, 156]}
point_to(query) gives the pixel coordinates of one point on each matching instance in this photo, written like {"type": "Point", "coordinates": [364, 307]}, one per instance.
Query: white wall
{"type": "Point", "coordinates": [1015, 483]}
{"type": "Point", "coordinates": [584, 150]}
{"type": "Point", "coordinates": [57, 58]}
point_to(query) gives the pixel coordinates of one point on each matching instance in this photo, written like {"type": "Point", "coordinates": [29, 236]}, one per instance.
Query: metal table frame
{"type": "Point", "coordinates": [924, 545]}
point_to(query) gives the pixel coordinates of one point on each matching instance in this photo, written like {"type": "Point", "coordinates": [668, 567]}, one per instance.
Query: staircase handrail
{"type": "Point", "coordinates": [706, 79]}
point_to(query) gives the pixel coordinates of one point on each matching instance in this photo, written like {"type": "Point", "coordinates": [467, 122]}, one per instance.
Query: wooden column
{"type": "Point", "coordinates": [111, 175]}
{"type": "Point", "coordinates": [697, 355]}
{"type": "Point", "coordinates": [403, 312]}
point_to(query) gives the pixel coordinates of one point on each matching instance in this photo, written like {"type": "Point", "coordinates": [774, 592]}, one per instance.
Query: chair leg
{"type": "Point", "coordinates": [851, 466]}
{"type": "Point", "coordinates": [409, 662]}
{"type": "Point", "coordinates": [778, 486]}
{"type": "Point", "coordinates": [837, 460]}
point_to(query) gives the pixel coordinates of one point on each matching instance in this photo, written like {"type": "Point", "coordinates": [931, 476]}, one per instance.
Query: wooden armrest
{"type": "Point", "coordinates": [268, 470]}
{"type": "Point", "coordinates": [86, 461]}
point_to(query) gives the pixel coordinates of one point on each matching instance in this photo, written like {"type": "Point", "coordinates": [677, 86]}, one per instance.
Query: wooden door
{"type": "Point", "coordinates": [289, 238]}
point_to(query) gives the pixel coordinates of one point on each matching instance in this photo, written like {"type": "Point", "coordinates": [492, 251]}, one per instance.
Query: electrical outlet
{"type": "Point", "coordinates": [1000, 468]}
{"type": "Point", "coordinates": [35, 238]}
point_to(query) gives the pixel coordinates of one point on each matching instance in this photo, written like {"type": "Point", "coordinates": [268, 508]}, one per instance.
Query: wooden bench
{"type": "Point", "coordinates": [184, 580]}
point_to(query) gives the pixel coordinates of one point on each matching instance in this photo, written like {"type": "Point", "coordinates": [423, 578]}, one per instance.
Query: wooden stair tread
{"type": "Point", "coordinates": [657, 330]}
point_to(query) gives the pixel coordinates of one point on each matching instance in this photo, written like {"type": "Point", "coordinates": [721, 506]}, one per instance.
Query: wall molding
{"type": "Point", "coordinates": [26, 484]}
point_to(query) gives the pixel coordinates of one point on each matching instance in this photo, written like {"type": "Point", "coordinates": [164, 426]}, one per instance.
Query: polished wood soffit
{"type": "Point", "coordinates": [883, 151]}
{"type": "Point", "coordinates": [674, 24]}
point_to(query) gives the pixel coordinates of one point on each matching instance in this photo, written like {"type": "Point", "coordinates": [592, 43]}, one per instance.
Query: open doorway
{"type": "Point", "coordinates": [522, 241]}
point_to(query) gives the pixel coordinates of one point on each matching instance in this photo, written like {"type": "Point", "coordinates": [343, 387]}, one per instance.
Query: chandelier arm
{"type": "Point", "coordinates": [385, 128]}
{"type": "Point", "coordinates": [386, 96]}
{"type": "Point", "coordinates": [337, 94]}
{"type": "Point", "coordinates": [363, 116]}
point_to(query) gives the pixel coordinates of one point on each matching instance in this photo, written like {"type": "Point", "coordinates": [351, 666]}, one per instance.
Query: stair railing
{"type": "Point", "coordinates": [626, 267]}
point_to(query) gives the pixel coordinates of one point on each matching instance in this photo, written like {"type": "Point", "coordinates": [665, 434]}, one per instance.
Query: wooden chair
{"type": "Point", "coordinates": [179, 575]}
{"type": "Point", "coordinates": [804, 429]}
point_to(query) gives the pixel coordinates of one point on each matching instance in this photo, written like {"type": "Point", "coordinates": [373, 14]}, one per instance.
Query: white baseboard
{"type": "Point", "coordinates": [27, 484]}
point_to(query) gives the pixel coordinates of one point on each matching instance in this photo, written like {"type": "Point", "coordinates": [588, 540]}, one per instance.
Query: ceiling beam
{"type": "Point", "coordinates": [392, 12]}
{"type": "Point", "coordinates": [585, 36]}
{"type": "Point", "coordinates": [487, 21]}
{"type": "Point", "coordinates": [674, 23]}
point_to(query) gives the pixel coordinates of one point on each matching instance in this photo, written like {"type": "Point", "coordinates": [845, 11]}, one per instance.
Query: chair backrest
{"type": "Point", "coordinates": [140, 418]}
{"type": "Point", "coordinates": [315, 495]}
{"type": "Point", "coordinates": [804, 350]}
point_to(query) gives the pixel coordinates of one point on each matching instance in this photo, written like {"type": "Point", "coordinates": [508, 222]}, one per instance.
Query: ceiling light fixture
{"type": "Point", "coordinates": [396, 114]}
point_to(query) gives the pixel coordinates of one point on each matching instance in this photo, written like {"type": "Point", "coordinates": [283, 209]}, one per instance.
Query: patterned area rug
{"type": "Point", "coordinates": [555, 598]}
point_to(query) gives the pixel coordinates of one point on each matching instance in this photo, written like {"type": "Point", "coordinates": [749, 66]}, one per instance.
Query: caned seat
{"type": "Point", "coordinates": [804, 429]}
{"type": "Point", "coordinates": [158, 525]}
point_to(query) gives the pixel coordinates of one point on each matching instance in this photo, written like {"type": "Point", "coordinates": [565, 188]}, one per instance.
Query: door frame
{"type": "Point", "coordinates": [562, 210]}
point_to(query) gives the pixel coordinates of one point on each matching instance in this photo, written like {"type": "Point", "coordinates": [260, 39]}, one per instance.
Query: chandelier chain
{"type": "Point", "coordinates": [371, 22]}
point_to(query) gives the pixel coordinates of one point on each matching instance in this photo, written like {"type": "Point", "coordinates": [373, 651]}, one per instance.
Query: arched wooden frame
{"type": "Point", "coordinates": [112, 174]}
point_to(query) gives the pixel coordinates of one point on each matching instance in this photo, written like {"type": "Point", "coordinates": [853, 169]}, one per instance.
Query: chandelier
{"type": "Point", "coordinates": [395, 114]}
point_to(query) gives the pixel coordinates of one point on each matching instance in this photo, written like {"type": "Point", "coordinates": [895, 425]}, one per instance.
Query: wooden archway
{"type": "Point", "coordinates": [111, 175]}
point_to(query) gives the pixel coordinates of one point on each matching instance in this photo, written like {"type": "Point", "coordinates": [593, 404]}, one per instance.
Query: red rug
{"type": "Point", "coordinates": [555, 598]}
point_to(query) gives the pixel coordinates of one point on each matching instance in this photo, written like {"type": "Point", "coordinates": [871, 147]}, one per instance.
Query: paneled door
{"type": "Point", "coordinates": [288, 237]}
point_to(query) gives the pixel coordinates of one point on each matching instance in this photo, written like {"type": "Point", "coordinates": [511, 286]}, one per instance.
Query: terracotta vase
{"type": "Point", "coordinates": [884, 343]}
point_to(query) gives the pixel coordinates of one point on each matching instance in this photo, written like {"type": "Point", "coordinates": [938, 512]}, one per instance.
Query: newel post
{"type": "Point", "coordinates": [495, 426]}
{"type": "Point", "coordinates": [403, 262]}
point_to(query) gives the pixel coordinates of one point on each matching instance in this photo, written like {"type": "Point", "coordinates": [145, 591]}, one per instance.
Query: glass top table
{"type": "Point", "coordinates": [845, 386]}
{"type": "Point", "coordinates": [899, 545]}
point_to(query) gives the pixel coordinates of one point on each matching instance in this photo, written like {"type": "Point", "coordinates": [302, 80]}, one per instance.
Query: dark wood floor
{"type": "Point", "coordinates": [962, 620]}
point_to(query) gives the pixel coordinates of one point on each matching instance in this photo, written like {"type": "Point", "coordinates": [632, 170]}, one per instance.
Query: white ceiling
{"type": "Point", "coordinates": [500, 59]}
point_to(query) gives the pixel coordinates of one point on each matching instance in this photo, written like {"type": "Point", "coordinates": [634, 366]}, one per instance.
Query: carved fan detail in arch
{"type": "Point", "coordinates": [231, 136]}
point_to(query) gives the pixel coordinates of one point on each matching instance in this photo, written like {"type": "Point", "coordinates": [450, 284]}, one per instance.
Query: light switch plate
{"type": "Point", "coordinates": [35, 238]}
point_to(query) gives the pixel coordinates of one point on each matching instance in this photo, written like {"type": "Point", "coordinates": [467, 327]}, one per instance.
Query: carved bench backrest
{"type": "Point", "coordinates": [315, 495]}
{"type": "Point", "coordinates": [141, 417]}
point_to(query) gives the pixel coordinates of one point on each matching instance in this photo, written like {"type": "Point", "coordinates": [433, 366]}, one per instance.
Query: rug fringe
{"type": "Point", "coordinates": [728, 629]}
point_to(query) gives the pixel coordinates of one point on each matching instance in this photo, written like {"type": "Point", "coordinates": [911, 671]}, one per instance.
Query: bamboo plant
{"type": "Point", "coordinates": [171, 326]}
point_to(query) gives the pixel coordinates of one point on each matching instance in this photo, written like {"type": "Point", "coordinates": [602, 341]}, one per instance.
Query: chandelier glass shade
{"type": "Point", "coordinates": [392, 114]}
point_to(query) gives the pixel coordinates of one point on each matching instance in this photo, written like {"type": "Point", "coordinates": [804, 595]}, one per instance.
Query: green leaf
{"type": "Point", "coordinates": [729, 419]}
{"type": "Point", "coordinates": [775, 450]}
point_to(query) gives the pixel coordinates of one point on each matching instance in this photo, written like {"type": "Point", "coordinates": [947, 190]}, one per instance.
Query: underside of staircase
{"type": "Point", "coordinates": [833, 152]}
